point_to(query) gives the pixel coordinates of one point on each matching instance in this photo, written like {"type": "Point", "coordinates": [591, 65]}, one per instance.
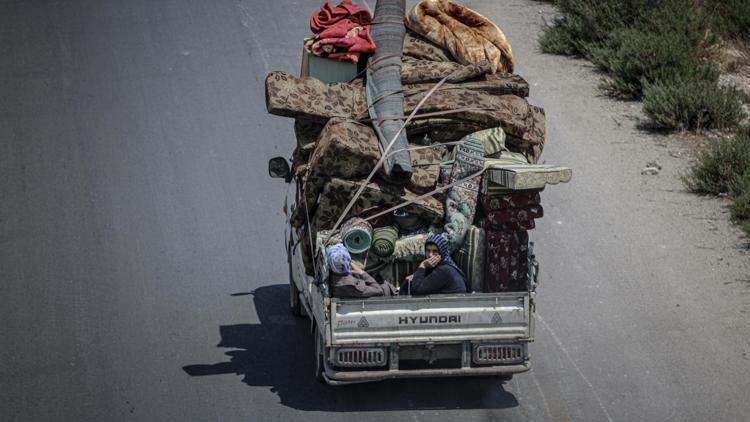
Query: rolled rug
{"type": "Point", "coordinates": [446, 168]}
{"type": "Point", "coordinates": [384, 241]}
{"type": "Point", "coordinates": [383, 90]}
{"type": "Point", "coordinates": [461, 199]}
{"type": "Point", "coordinates": [410, 248]}
{"type": "Point", "coordinates": [356, 234]}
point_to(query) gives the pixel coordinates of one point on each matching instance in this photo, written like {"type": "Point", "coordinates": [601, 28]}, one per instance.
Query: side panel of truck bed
{"type": "Point", "coordinates": [440, 318]}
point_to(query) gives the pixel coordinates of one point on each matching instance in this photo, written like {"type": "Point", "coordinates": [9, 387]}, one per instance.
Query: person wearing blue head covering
{"type": "Point", "coordinates": [437, 273]}
{"type": "Point", "coordinates": [349, 280]}
{"type": "Point", "coordinates": [339, 259]}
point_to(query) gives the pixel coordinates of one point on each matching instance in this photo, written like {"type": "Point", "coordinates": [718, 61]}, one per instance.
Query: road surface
{"type": "Point", "coordinates": [142, 274]}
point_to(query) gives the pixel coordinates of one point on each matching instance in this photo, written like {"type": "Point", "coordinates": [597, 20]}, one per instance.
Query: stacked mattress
{"type": "Point", "coordinates": [464, 166]}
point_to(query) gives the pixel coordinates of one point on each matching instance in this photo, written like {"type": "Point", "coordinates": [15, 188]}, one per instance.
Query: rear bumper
{"type": "Point", "coordinates": [333, 377]}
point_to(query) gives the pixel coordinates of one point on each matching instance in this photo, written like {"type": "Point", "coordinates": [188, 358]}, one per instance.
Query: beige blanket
{"type": "Point", "coordinates": [468, 36]}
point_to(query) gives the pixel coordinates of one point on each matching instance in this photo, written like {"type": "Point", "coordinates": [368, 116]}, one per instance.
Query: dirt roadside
{"type": "Point", "coordinates": [684, 238]}
{"type": "Point", "coordinates": [702, 220]}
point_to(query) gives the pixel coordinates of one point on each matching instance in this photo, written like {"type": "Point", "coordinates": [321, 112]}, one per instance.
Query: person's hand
{"type": "Point", "coordinates": [356, 269]}
{"type": "Point", "coordinates": [430, 262]}
{"type": "Point", "coordinates": [409, 278]}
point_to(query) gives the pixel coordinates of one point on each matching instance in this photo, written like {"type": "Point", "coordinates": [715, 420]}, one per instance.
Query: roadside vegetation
{"type": "Point", "coordinates": [724, 169]}
{"type": "Point", "coordinates": [666, 53]}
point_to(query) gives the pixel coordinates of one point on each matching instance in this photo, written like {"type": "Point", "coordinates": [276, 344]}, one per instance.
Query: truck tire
{"type": "Point", "coordinates": [319, 350]}
{"type": "Point", "coordinates": [294, 301]}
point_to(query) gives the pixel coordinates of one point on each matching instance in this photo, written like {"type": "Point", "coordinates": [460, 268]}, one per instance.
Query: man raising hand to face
{"type": "Point", "coordinates": [437, 273]}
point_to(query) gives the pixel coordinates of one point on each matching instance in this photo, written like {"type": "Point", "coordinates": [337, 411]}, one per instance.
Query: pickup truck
{"type": "Point", "coordinates": [443, 335]}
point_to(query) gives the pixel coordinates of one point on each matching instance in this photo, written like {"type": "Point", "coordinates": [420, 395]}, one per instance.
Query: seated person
{"type": "Point", "coordinates": [437, 273]}
{"type": "Point", "coordinates": [349, 280]}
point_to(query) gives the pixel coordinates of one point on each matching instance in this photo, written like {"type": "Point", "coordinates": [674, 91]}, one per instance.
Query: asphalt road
{"type": "Point", "coordinates": [142, 274]}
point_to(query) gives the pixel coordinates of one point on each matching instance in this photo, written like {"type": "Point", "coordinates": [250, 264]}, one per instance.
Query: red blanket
{"type": "Point", "coordinates": [329, 16]}
{"type": "Point", "coordinates": [507, 261]}
{"type": "Point", "coordinates": [503, 202]}
{"type": "Point", "coordinates": [341, 32]}
{"type": "Point", "coordinates": [515, 215]}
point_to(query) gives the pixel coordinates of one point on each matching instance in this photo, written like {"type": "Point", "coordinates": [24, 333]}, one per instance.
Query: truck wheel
{"type": "Point", "coordinates": [319, 349]}
{"type": "Point", "coordinates": [294, 302]}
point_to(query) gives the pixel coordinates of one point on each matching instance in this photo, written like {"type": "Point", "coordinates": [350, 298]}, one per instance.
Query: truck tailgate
{"type": "Point", "coordinates": [442, 318]}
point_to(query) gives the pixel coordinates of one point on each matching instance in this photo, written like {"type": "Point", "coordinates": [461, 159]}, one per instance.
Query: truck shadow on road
{"type": "Point", "coordinates": [278, 353]}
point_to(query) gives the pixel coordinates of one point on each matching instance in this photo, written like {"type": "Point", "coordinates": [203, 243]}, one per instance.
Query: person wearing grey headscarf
{"type": "Point", "coordinates": [436, 274]}
{"type": "Point", "coordinates": [349, 280]}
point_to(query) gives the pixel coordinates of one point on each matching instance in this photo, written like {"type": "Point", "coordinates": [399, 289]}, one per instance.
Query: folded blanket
{"type": "Point", "coordinates": [469, 36]}
{"type": "Point", "coordinates": [341, 32]}
{"type": "Point", "coordinates": [342, 43]}
{"type": "Point", "coordinates": [418, 47]}
{"type": "Point", "coordinates": [492, 139]}
{"type": "Point", "coordinates": [338, 193]}
{"type": "Point", "coordinates": [329, 16]}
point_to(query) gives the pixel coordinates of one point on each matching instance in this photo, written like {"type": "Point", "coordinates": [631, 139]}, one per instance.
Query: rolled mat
{"type": "Point", "coordinates": [356, 234]}
{"type": "Point", "coordinates": [384, 241]}
{"type": "Point", "coordinates": [385, 97]}
{"type": "Point", "coordinates": [410, 248]}
{"type": "Point", "coordinates": [461, 199]}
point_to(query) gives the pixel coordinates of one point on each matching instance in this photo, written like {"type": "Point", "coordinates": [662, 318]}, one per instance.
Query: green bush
{"type": "Point", "coordinates": [724, 167]}
{"type": "Point", "coordinates": [740, 208]}
{"type": "Point", "coordinates": [718, 168]}
{"type": "Point", "coordinates": [653, 50]}
{"type": "Point", "coordinates": [585, 22]}
{"type": "Point", "coordinates": [728, 17]}
{"type": "Point", "coordinates": [657, 50]}
{"type": "Point", "coordinates": [691, 102]}
{"type": "Point", "coordinates": [634, 57]}
{"type": "Point", "coordinates": [557, 39]}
